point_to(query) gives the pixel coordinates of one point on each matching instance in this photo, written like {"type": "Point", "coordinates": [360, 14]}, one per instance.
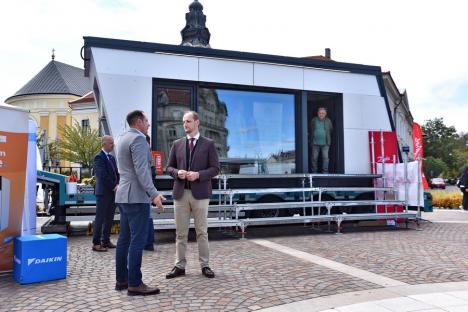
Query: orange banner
{"type": "Point", "coordinates": [13, 154]}
{"type": "Point", "coordinates": [158, 161]}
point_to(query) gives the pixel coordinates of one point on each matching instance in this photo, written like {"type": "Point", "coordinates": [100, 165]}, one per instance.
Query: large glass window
{"type": "Point", "coordinates": [171, 104]}
{"type": "Point", "coordinates": [253, 131]}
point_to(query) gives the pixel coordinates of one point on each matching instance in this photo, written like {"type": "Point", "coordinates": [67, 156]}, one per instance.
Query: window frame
{"type": "Point", "coordinates": [194, 86]}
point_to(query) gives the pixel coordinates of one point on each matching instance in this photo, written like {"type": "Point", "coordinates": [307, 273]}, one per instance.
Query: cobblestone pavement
{"type": "Point", "coordinates": [249, 276]}
{"type": "Point", "coordinates": [435, 254]}
{"type": "Point", "coordinates": [447, 215]}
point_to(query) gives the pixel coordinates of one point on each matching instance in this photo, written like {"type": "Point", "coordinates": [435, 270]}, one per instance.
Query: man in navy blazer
{"type": "Point", "coordinates": [107, 180]}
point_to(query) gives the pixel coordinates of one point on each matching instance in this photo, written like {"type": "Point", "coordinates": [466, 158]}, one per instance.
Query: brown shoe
{"type": "Point", "coordinates": [142, 290]}
{"type": "Point", "coordinates": [99, 248]}
{"type": "Point", "coordinates": [121, 285]}
{"type": "Point", "coordinates": [109, 245]}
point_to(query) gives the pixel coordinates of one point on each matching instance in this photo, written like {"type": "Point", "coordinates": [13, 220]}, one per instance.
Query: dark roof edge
{"type": "Point", "coordinates": [149, 47]}
{"type": "Point", "coordinates": [33, 94]}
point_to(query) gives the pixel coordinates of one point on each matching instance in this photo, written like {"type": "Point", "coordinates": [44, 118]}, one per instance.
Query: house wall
{"type": "Point", "coordinates": [124, 79]}
{"type": "Point", "coordinates": [399, 106]}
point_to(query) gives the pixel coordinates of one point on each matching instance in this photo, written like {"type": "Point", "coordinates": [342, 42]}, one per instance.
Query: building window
{"type": "Point", "coordinates": [85, 125]}
{"type": "Point", "coordinates": [254, 131]}
{"type": "Point", "coordinates": [61, 122]}
{"type": "Point", "coordinates": [44, 124]}
{"type": "Point", "coordinates": [171, 103]}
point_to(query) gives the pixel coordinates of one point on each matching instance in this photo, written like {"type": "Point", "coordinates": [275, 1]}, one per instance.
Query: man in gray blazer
{"type": "Point", "coordinates": [193, 161]}
{"type": "Point", "coordinates": [133, 197]}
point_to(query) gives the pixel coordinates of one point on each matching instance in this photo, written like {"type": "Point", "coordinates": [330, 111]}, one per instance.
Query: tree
{"type": "Point", "coordinates": [54, 153]}
{"type": "Point", "coordinates": [440, 141]}
{"type": "Point", "coordinates": [434, 167]}
{"type": "Point", "coordinates": [79, 144]}
{"type": "Point", "coordinates": [461, 160]}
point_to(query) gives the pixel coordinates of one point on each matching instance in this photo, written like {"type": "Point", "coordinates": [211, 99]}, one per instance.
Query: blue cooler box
{"type": "Point", "coordinates": [40, 258]}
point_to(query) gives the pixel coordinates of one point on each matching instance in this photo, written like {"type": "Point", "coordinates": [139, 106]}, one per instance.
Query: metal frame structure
{"type": "Point", "coordinates": [229, 211]}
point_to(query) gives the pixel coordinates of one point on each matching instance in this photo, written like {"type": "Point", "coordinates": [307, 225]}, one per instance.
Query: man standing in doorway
{"type": "Point", "coordinates": [107, 180]}
{"type": "Point", "coordinates": [193, 162]}
{"type": "Point", "coordinates": [321, 139]}
{"type": "Point", "coordinates": [134, 194]}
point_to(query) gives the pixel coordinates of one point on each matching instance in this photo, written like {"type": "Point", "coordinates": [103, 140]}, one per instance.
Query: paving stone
{"type": "Point", "coordinates": [248, 276]}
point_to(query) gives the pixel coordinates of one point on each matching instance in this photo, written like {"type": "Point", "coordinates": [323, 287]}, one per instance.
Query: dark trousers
{"type": "Point", "coordinates": [105, 210]}
{"type": "Point", "coordinates": [132, 239]}
{"type": "Point", "coordinates": [465, 200]}
{"type": "Point", "coordinates": [150, 236]}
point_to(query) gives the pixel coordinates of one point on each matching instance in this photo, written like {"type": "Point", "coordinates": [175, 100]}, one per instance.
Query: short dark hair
{"type": "Point", "coordinates": [133, 116]}
{"type": "Point", "coordinates": [194, 115]}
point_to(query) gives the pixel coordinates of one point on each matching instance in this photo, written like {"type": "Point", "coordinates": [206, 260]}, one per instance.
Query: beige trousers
{"type": "Point", "coordinates": [198, 208]}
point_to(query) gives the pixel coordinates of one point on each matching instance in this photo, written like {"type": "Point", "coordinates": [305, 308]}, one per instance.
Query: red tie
{"type": "Point", "coordinates": [191, 144]}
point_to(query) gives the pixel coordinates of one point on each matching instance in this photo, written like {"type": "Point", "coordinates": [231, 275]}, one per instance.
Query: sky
{"type": "Point", "coordinates": [421, 43]}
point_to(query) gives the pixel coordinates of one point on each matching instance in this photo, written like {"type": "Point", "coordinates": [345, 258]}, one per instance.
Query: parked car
{"type": "Point", "coordinates": [437, 183]}
{"type": "Point", "coordinates": [452, 181]}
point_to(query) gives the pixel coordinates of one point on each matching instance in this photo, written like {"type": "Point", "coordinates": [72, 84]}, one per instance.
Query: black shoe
{"type": "Point", "coordinates": [208, 272]}
{"type": "Point", "coordinates": [142, 290]}
{"type": "Point", "coordinates": [121, 285]}
{"type": "Point", "coordinates": [149, 248]}
{"type": "Point", "coordinates": [175, 272]}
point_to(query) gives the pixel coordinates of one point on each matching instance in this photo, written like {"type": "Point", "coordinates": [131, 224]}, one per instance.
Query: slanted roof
{"type": "Point", "coordinates": [137, 46]}
{"type": "Point", "coordinates": [87, 98]}
{"type": "Point", "coordinates": [56, 78]}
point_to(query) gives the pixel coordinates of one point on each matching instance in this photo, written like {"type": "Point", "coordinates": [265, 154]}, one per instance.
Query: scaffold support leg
{"type": "Point", "coordinates": [338, 226]}
{"type": "Point", "coordinates": [243, 231]}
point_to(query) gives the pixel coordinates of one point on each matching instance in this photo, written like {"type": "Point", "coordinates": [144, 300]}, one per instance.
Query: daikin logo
{"type": "Point", "coordinates": [43, 260]}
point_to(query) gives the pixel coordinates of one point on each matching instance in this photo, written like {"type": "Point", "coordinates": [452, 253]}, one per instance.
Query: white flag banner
{"type": "Point", "coordinates": [395, 174]}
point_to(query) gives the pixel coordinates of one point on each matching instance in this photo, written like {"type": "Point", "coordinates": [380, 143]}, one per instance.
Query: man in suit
{"type": "Point", "coordinates": [193, 161]}
{"type": "Point", "coordinates": [107, 179]}
{"type": "Point", "coordinates": [134, 194]}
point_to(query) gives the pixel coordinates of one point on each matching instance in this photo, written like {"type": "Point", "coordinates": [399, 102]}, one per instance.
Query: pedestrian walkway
{"type": "Point", "coordinates": [420, 298]}
{"type": "Point", "coordinates": [281, 268]}
{"type": "Point", "coordinates": [395, 297]}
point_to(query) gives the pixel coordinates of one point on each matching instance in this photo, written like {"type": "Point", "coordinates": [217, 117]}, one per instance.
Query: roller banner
{"type": "Point", "coordinates": [418, 150]}
{"type": "Point", "coordinates": [13, 155]}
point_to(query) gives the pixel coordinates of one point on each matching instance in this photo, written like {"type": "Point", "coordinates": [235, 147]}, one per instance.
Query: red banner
{"type": "Point", "coordinates": [158, 161]}
{"type": "Point", "coordinates": [418, 150]}
{"type": "Point", "coordinates": [386, 140]}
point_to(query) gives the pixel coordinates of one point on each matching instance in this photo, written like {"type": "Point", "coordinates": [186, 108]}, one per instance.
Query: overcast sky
{"type": "Point", "coordinates": [422, 44]}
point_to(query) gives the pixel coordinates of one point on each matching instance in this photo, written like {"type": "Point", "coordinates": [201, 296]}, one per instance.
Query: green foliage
{"type": "Point", "coordinates": [89, 181]}
{"type": "Point", "coordinates": [440, 140]}
{"type": "Point", "coordinates": [79, 145]}
{"type": "Point", "coordinates": [434, 167]}
{"type": "Point", "coordinates": [448, 149]}
{"type": "Point", "coordinates": [40, 138]}
{"type": "Point", "coordinates": [54, 152]}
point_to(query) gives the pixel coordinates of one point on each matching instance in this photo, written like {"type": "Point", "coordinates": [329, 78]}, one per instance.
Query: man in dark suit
{"type": "Point", "coordinates": [107, 180]}
{"type": "Point", "coordinates": [193, 161]}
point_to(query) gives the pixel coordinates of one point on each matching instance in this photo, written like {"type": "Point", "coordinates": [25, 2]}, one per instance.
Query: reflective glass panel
{"type": "Point", "coordinates": [171, 105]}
{"type": "Point", "coordinates": [253, 131]}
